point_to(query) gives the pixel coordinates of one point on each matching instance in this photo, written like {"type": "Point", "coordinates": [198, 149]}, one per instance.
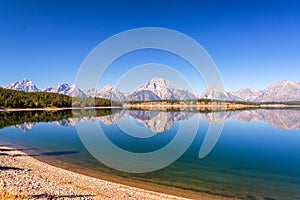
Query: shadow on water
{"type": "Point", "coordinates": [54, 153]}
{"type": "Point", "coordinates": [15, 118]}
{"type": "Point", "coordinates": [26, 149]}
{"type": "Point", "coordinates": [6, 145]}
{"type": "Point", "coordinates": [7, 150]}
{"type": "Point", "coordinates": [57, 153]}
{"type": "Point", "coordinates": [10, 168]}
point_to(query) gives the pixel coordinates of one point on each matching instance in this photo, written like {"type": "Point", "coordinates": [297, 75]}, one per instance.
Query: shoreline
{"type": "Point", "coordinates": [27, 177]}
{"type": "Point", "coordinates": [212, 107]}
{"type": "Point", "coordinates": [183, 107]}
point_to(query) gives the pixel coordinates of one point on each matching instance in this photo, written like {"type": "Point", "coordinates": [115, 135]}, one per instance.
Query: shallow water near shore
{"type": "Point", "coordinates": [257, 156]}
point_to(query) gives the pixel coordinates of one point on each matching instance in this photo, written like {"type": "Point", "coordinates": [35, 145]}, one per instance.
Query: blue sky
{"type": "Point", "coordinates": [253, 43]}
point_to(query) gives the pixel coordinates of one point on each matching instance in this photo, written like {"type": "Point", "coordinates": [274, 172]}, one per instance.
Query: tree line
{"type": "Point", "coordinates": [19, 99]}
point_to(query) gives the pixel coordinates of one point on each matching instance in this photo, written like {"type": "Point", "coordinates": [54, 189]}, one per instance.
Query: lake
{"type": "Point", "coordinates": [256, 156]}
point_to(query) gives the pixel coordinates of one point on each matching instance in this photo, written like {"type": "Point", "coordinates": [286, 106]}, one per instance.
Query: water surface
{"type": "Point", "coordinates": [257, 156]}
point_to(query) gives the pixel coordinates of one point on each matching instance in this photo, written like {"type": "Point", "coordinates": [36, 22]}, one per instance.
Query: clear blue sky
{"type": "Point", "coordinates": [253, 43]}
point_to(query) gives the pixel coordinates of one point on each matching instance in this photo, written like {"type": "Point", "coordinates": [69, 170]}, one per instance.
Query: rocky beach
{"type": "Point", "coordinates": [24, 177]}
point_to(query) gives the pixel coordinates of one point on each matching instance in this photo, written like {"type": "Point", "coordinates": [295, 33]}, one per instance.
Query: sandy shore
{"type": "Point", "coordinates": [214, 106]}
{"type": "Point", "coordinates": [27, 177]}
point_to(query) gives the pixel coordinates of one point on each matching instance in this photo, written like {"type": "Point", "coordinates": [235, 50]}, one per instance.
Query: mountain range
{"type": "Point", "coordinates": [107, 92]}
{"type": "Point", "coordinates": [161, 89]}
{"type": "Point", "coordinates": [72, 90]}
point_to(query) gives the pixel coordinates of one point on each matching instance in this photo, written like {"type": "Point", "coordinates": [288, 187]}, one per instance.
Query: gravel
{"type": "Point", "coordinates": [29, 178]}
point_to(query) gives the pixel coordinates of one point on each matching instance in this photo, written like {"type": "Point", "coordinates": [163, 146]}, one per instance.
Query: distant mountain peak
{"type": "Point", "coordinates": [280, 91]}
{"type": "Point", "coordinates": [159, 83]}
{"type": "Point", "coordinates": [159, 88]}
{"type": "Point", "coordinates": [246, 94]}
{"type": "Point", "coordinates": [108, 87]}
{"type": "Point", "coordinates": [25, 80]}
{"type": "Point", "coordinates": [219, 94]}
{"type": "Point", "coordinates": [108, 92]}
{"type": "Point", "coordinates": [23, 85]}
{"type": "Point", "coordinates": [160, 80]}
{"type": "Point", "coordinates": [66, 89]}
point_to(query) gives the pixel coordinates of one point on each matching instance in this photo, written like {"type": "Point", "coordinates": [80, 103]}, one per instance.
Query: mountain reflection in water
{"type": "Point", "coordinates": [156, 121]}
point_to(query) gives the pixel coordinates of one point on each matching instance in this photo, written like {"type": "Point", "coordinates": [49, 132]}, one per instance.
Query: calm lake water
{"type": "Point", "coordinates": [257, 155]}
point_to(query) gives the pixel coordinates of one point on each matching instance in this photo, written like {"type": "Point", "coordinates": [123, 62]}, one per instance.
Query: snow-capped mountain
{"type": "Point", "coordinates": [280, 91]}
{"type": "Point", "coordinates": [72, 90]}
{"type": "Point", "coordinates": [75, 92]}
{"type": "Point", "coordinates": [49, 89]}
{"type": "Point", "coordinates": [277, 92]}
{"type": "Point", "coordinates": [24, 85]}
{"type": "Point", "coordinates": [61, 89]}
{"type": "Point", "coordinates": [219, 94]}
{"type": "Point", "coordinates": [162, 88]}
{"type": "Point", "coordinates": [91, 92]}
{"type": "Point", "coordinates": [143, 95]}
{"type": "Point", "coordinates": [159, 88]}
{"type": "Point", "coordinates": [107, 92]}
{"type": "Point", "coordinates": [247, 94]}
{"type": "Point", "coordinates": [183, 94]}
